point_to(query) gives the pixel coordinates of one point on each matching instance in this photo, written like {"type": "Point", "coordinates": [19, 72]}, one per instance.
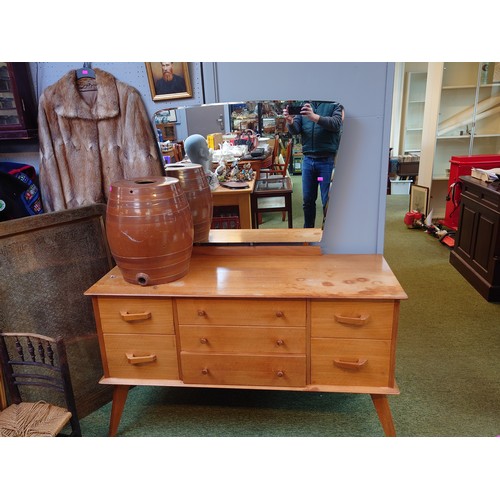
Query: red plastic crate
{"type": "Point", "coordinates": [460, 166]}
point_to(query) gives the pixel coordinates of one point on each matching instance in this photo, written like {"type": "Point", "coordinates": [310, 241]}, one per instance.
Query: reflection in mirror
{"type": "Point", "coordinates": [240, 134]}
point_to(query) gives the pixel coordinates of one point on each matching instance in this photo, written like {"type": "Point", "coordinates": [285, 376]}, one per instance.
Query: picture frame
{"type": "Point", "coordinates": [419, 198]}
{"type": "Point", "coordinates": [178, 86]}
{"type": "Point", "coordinates": [166, 116]}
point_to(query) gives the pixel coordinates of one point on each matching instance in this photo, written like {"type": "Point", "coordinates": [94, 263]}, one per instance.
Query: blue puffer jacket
{"type": "Point", "coordinates": [320, 138]}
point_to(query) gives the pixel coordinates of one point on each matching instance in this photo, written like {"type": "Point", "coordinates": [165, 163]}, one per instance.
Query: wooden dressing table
{"type": "Point", "coordinates": [304, 322]}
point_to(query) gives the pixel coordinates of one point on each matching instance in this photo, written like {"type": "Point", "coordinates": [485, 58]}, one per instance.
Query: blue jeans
{"type": "Point", "coordinates": [315, 172]}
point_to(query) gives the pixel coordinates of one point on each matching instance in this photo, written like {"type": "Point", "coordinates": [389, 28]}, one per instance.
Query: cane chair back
{"type": "Point", "coordinates": [38, 386]}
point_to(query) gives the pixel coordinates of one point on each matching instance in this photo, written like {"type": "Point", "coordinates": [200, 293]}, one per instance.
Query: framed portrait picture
{"type": "Point", "coordinates": [419, 198]}
{"type": "Point", "coordinates": [169, 80]}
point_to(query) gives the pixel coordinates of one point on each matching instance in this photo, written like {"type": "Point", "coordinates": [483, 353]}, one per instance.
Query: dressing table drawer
{"type": "Point", "coordinates": [141, 356]}
{"type": "Point", "coordinates": [240, 369]}
{"type": "Point", "coordinates": [351, 362]}
{"type": "Point", "coordinates": [352, 319]}
{"type": "Point", "coordinates": [245, 339]}
{"type": "Point", "coordinates": [244, 312]}
{"type": "Point", "coordinates": [136, 315]}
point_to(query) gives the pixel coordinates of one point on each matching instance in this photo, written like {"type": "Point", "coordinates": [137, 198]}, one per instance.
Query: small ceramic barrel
{"type": "Point", "coordinates": [150, 229]}
{"type": "Point", "coordinates": [195, 185]}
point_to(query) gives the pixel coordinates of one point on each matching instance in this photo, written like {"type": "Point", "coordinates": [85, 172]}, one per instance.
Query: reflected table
{"type": "Point", "coordinates": [225, 197]}
{"type": "Point", "coordinates": [272, 194]}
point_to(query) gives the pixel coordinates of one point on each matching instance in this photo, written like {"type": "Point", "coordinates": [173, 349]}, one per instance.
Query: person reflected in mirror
{"type": "Point", "coordinates": [197, 150]}
{"type": "Point", "coordinates": [320, 126]}
{"type": "Point", "coordinates": [170, 83]}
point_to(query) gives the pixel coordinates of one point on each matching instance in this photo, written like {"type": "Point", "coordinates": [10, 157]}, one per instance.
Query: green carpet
{"type": "Point", "coordinates": [447, 368]}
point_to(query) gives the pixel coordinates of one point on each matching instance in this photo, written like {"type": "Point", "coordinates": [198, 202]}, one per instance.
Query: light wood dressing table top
{"type": "Point", "coordinates": [310, 276]}
{"type": "Point", "coordinates": [276, 235]}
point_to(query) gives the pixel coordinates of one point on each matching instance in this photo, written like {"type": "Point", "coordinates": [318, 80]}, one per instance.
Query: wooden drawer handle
{"type": "Point", "coordinates": [359, 320]}
{"type": "Point", "coordinates": [280, 314]}
{"type": "Point", "coordinates": [126, 316]}
{"type": "Point", "coordinates": [355, 364]}
{"type": "Point", "coordinates": [280, 342]}
{"type": "Point", "coordinates": [136, 360]}
{"type": "Point", "coordinates": [204, 371]}
{"type": "Point", "coordinates": [201, 312]}
{"type": "Point", "coordinates": [203, 340]}
{"type": "Point", "coordinates": [280, 373]}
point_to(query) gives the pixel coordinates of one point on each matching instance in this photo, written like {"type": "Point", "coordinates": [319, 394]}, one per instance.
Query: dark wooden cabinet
{"type": "Point", "coordinates": [18, 111]}
{"type": "Point", "coordinates": [476, 254]}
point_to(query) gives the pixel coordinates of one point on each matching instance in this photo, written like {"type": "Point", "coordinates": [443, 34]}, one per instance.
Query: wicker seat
{"type": "Point", "coordinates": [37, 379]}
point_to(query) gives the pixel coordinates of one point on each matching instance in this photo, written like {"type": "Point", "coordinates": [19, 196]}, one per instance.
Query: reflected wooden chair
{"type": "Point", "coordinates": [38, 387]}
{"type": "Point", "coordinates": [277, 168]}
{"type": "Point", "coordinates": [178, 152]}
{"type": "Point", "coordinates": [276, 149]}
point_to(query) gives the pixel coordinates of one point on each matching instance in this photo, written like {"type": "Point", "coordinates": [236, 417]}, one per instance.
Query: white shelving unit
{"type": "Point", "coordinates": [461, 117]}
{"type": "Point", "coordinates": [414, 112]}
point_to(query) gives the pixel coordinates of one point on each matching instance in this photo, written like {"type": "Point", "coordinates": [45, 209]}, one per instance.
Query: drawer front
{"type": "Point", "coordinates": [351, 362]}
{"type": "Point", "coordinates": [274, 313]}
{"type": "Point", "coordinates": [254, 339]}
{"type": "Point", "coordinates": [227, 369]}
{"type": "Point", "coordinates": [141, 356]}
{"type": "Point", "coordinates": [345, 319]}
{"type": "Point", "coordinates": [136, 315]}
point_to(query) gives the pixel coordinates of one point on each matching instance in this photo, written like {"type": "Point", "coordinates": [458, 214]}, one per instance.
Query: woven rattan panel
{"type": "Point", "coordinates": [46, 263]}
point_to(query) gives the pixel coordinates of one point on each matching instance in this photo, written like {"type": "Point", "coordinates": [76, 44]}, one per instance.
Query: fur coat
{"type": "Point", "coordinates": [85, 146]}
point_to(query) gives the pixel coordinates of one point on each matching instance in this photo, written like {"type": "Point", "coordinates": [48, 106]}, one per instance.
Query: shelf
{"type": "Point", "coordinates": [454, 137]}
{"type": "Point", "coordinates": [459, 87]}
{"type": "Point", "coordinates": [477, 136]}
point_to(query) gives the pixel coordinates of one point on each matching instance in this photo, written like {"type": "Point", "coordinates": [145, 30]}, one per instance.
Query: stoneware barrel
{"type": "Point", "coordinates": [195, 185]}
{"type": "Point", "coordinates": [150, 229]}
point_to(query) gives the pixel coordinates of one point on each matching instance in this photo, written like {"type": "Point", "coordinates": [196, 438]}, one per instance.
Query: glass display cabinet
{"type": "Point", "coordinates": [18, 113]}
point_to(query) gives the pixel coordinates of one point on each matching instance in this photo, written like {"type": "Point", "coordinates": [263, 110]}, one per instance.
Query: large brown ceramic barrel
{"type": "Point", "coordinates": [150, 229]}
{"type": "Point", "coordinates": [195, 185]}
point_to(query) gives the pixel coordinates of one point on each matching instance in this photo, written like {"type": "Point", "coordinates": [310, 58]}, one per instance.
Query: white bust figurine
{"type": "Point", "coordinates": [196, 148]}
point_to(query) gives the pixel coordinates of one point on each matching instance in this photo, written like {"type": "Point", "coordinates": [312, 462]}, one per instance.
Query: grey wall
{"type": "Point", "coordinates": [355, 222]}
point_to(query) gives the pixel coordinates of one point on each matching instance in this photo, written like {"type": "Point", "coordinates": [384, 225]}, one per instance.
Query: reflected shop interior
{"type": "Point", "coordinates": [238, 134]}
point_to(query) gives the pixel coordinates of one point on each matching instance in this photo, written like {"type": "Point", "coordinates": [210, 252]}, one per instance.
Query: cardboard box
{"type": "Point", "coordinates": [214, 140]}
{"type": "Point", "coordinates": [400, 187]}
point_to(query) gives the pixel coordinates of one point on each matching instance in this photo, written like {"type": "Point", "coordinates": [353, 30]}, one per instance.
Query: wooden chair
{"type": "Point", "coordinates": [37, 379]}
{"type": "Point", "coordinates": [276, 149]}
{"type": "Point", "coordinates": [178, 152]}
{"type": "Point", "coordinates": [277, 168]}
